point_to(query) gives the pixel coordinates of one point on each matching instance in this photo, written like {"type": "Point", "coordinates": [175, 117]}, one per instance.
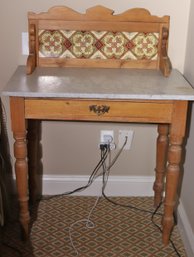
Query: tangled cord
{"type": "Point", "coordinates": [105, 152]}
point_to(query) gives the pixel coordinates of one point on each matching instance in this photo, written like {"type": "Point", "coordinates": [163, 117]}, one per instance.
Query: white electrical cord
{"type": "Point", "coordinates": [106, 171]}
{"type": "Point", "coordinates": [88, 223]}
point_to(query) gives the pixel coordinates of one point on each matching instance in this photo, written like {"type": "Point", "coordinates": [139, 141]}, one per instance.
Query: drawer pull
{"type": "Point", "coordinates": [99, 109]}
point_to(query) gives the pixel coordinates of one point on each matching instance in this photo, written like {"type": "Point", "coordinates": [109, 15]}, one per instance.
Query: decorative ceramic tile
{"type": "Point", "coordinates": [98, 45]}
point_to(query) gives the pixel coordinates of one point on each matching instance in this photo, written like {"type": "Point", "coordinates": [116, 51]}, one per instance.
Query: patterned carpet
{"type": "Point", "coordinates": [117, 231]}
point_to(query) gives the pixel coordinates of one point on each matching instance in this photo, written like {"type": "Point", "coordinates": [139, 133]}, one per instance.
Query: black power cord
{"type": "Point", "coordinates": [159, 228]}
{"type": "Point", "coordinates": [106, 171]}
{"type": "Point", "coordinates": [92, 177]}
{"type": "Point", "coordinates": [90, 180]}
{"type": "Point", "coordinates": [105, 151]}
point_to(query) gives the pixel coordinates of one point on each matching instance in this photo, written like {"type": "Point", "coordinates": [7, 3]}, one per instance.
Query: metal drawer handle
{"type": "Point", "coordinates": [99, 109]}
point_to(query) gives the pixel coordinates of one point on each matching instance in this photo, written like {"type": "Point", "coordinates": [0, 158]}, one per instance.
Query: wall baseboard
{"type": "Point", "coordinates": [116, 186]}
{"type": "Point", "coordinates": [185, 230]}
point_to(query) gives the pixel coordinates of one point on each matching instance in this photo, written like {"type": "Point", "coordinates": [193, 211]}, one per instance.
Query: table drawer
{"type": "Point", "coordinates": [98, 110]}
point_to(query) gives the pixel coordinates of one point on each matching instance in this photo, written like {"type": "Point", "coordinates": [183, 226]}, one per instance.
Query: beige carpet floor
{"type": "Point", "coordinates": [116, 231]}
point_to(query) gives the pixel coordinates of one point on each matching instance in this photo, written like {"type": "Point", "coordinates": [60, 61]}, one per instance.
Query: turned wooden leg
{"type": "Point", "coordinates": [21, 169]}
{"type": "Point", "coordinates": [172, 179]}
{"type": "Point", "coordinates": [21, 166]}
{"type": "Point", "coordinates": [161, 155]}
{"type": "Point", "coordinates": [33, 162]}
{"type": "Point", "coordinates": [176, 135]}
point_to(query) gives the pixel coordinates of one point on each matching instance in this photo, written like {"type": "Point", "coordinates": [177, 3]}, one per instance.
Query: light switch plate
{"type": "Point", "coordinates": [25, 46]}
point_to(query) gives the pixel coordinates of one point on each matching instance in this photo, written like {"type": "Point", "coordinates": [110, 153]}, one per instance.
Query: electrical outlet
{"type": "Point", "coordinates": [122, 137]}
{"type": "Point", "coordinates": [107, 137]}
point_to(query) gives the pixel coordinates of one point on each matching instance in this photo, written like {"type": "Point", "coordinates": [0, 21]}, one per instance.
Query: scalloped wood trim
{"type": "Point", "coordinates": [94, 13]}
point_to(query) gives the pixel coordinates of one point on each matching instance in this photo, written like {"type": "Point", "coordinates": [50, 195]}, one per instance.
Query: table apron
{"type": "Point", "coordinates": [99, 110]}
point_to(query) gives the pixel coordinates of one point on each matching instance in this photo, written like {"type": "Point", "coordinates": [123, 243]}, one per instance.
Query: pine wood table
{"type": "Point", "coordinates": [116, 95]}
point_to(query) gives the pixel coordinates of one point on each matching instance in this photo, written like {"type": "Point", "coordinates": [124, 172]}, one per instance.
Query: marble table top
{"type": "Point", "coordinates": [97, 83]}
